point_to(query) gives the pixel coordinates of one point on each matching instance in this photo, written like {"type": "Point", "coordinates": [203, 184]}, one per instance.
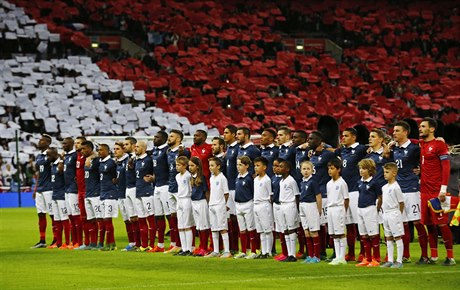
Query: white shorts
{"type": "Point", "coordinates": [336, 220]}
{"type": "Point", "coordinates": [393, 224]}
{"type": "Point", "coordinates": [263, 217]}
{"type": "Point", "coordinates": [200, 213]}
{"type": "Point", "coordinates": [93, 208]}
{"type": "Point", "coordinates": [411, 206]}
{"type": "Point", "coordinates": [290, 215]}
{"type": "Point", "coordinates": [280, 227]}
{"type": "Point", "coordinates": [309, 216]}
{"type": "Point", "coordinates": [123, 210]}
{"type": "Point", "coordinates": [184, 213]}
{"type": "Point", "coordinates": [368, 221]}
{"type": "Point", "coordinates": [352, 213]}
{"type": "Point", "coordinates": [172, 202]}
{"type": "Point", "coordinates": [60, 212]}
{"type": "Point", "coordinates": [160, 200]}
{"type": "Point", "coordinates": [245, 215]}
{"type": "Point", "coordinates": [380, 219]}
{"type": "Point", "coordinates": [72, 203]}
{"type": "Point", "coordinates": [323, 217]}
{"type": "Point", "coordinates": [109, 208]}
{"type": "Point", "coordinates": [143, 206]}
{"type": "Point", "coordinates": [129, 201]}
{"type": "Point", "coordinates": [43, 202]}
{"type": "Point", "coordinates": [218, 217]}
{"type": "Point", "coordinates": [231, 202]}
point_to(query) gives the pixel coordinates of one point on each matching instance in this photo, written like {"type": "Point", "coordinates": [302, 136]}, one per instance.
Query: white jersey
{"type": "Point", "coordinates": [219, 187]}
{"type": "Point", "coordinates": [288, 189]}
{"type": "Point", "coordinates": [184, 187]}
{"type": "Point", "coordinates": [391, 196]}
{"type": "Point", "coordinates": [262, 189]}
{"type": "Point", "coordinates": [337, 192]}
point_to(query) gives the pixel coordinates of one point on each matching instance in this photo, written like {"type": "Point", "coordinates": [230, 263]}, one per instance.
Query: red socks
{"type": "Point", "coordinates": [367, 248]}
{"type": "Point", "coordinates": [152, 230]}
{"type": "Point", "coordinates": [316, 247]}
{"type": "Point", "coordinates": [173, 232]}
{"type": "Point", "coordinates": [109, 231]}
{"type": "Point", "coordinates": [375, 243]}
{"type": "Point", "coordinates": [137, 233]}
{"type": "Point", "coordinates": [129, 231]}
{"type": "Point", "coordinates": [54, 226]}
{"type": "Point", "coordinates": [58, 232]}
{"type": "Point", "coordinates": [144, 233]}
{"type": "Point", "coordinates": [323, 237]}
{"type": "Point", "coordinates": [93, 228]}
{"type": "Point", "coordinates": [310, 248]}
{"type": "Point", "coordinates": [406, 241]}
{"type": "Point", "coordinates": [422, 238]}
{"type": "Point", "coordinates": [252, 237]}
{"type": "Point", "coordinates": [301, 238]}
{"type": "Point", "coordinates": [351, 238]}
{"type": "Point", "coordinates": [283, 244]}
{"type": "Point", "coordinates": [101, 225]}
{"type": "Point", "coordinates": [66, 229]}
{"type": "Point", "coordinates": [244, 240]}
{"type": "Point", "coordinates": [447, 237]}
{"type": "Point", "coordinates": [233, 235]}
{"type": "Point", "coordinates": [86, 228]}
{"type": "Point", "coordinates": [161, 230]}
{"type": "Point", "coordinates": [433, 239]}
{"type": "Point", "coordinates": [42, 226]}
{"type": "Point", "coordinates": [204, 239]}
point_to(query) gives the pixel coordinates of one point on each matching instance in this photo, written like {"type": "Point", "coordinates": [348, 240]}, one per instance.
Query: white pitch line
{"type": "Point", "coordinates": [202, 283]}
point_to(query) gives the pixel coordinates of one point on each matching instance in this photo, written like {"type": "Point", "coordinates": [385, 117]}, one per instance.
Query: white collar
{"type": "Point", "coordinates": [247, 145]}
{"type": "Point", "coordinates": [287, 144]}
{"type": "Point", "coordinates": [70, 152]}
{"type": "Point", "coordinates": [162, 146]}
{"type": "Point", "coordinates": [300, 147]}
{"type": "Point", "coordinates": [220, 155]}
{"type": "Point", "coordinates": [142, 156]}
{"type": "Point", "coordinates": [233, 144]}
{"type": "Point", "coordinates": [44, 152]}
{"type": "Point", "coordinates": [380, 151]}
{"type": "Point", "coordinates": [244, 175]}
{"type": "Point", "coordinates": [105, 159]}
{"type": "Point", "coordinates": [354, 145]}
{"type": "Point", "coordinates": [123, 157]}
{"type": "Point", "coordinates": [195, 175]}
{"type": "Point", "coordinates": [407, 143]}
{"type": "Point", "coordinates": [268, 146]}
{"type": "Point", "coordinates": [57, 161]}
{"type": "Point", "coordinates": [176, 148]}
{"type": "Point", "coordinates": [307, 179]}
{"type": "Point", "coordinates": [367, 180]}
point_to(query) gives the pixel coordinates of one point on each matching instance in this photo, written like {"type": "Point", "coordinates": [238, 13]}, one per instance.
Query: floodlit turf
{"type": "Point", "coordinates": [25, 268]}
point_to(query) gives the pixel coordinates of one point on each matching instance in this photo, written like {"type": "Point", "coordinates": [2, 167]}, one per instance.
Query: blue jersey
{"type": "Point", "coordinates": [379, 162]}
{"type": "Point", "coordinates": [160, 165]}
{"type": "Point", "coordinates": [276, 179]}
{"type": "Point", "coordinates": [288, 153]}
{"type": "Point", "coordinates": [107, 172]}
{"type": "Point", "coordinates": [369, 191]}
{"type": "Point", "coordinates": [252, 152]}
{"type": "Point", "coordinates": [300, 156]}
{"type": "Point", "coordinates": [230, 164]}
{"type": "Point", "coordinates": [309, 189]}
{"type": "Point", "coordinates": [270, 153]}
{"type": "Point", "coordinates": [244, 188]}
{"type": "Point", "coordinates": [121, 177]}
{"type": "Point", "coordinates": [70, 171]}
{"type": "Point", "coordinates": [130, 173]}
{"type": "Point", "coordinates": [172, 156]}
{"type": "Point", "coordinates": [43, 166]}
{"type": "Point", "coordinates": [57, 182]}
{"type": "Point", "coordinates": [407, 157]}
{"type": "Point", "coordinates": [143, 167]}
{"type": "Point", "coordinates": [321, 175]}
{"type": "Point", "coordinates": [92, 178]}
{"type": "Point", "coordinates": [199, 191]}
{"type": "Point", "coordinates": [350, 157]}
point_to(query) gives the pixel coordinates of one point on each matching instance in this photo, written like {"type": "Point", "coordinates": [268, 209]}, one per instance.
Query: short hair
{"type": "Point", "coordinates": [285, 129]}
{"type": "Point", "coordinates": [352, 131]}
{"type": "Point", "coordinates": [53, 149]}
{"type": "Point", "coordinates": [287, 163]}
{"type": "Point", "coordinates": [178, 132]}
{"type": "Point", "coordinates": [216, 160]}
{"type": "Point", "coordinates": [231, 128]}
{"type": "Point", "coordinates": [271, 132]}
{"type": "Point", "coordinates": [163, 134]}
{"type": "Point", "coordinates": [68, 139]}
{"type": "Point", "coordinates": [205, 134]}
{"type": "Point", "coordinates": [182, 160]}
{"type": "Point", "coordinates": [307, 162]}
{"type": "Point", "coordinates": [404, 125]}
{"type": "Point", "coordinates": [335, 163]}
{"type": "Point", "coordinates": [88, 143]}
{"type": "Point", "coordinates": [81, 138]}
{"type": "Point", "coordinates": [278, 159]}
{"type": "Point", "coordinates": [262, 160]}
{"type": "Point", "coordinates": [302, 133]}
{"type": "Point", "coordinates": [221, 140]}
{"type": "Point", "coordinates": [368, 164]}
{"type": "Point", "coordinates": [246, 131]}
{"type": "Point", "coordinates": [317, 134]}
{"type": "Point", "coordinates": [118, 143]}
{"type": "Point", "coordinates": [391, 166]}
{"type": "Point", "coordinates": [245, 160]}
{"type": "Point", "coordinates": [48, 138]}
{"type": "Point", "coordinates": [431, 122]}
{"type": "Point", "coordinates": [131, 140]}
{"type": "Point", "coordinates": [105, 146]}
{"type": "Point", "coordinates": [379, 132]}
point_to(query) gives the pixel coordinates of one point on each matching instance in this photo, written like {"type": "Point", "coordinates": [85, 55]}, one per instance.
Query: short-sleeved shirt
{"type": "Point", "coordinates": [107, 172]}
{"type": "Point", "coordinates": [391, 196]}
{"type": "Point", "coordinates": [309, 189]}
{"type": "Point", "coordinates": [219, 187]}
{"type": "Point", "coordinates": [369, 190]}
{"type": "Point", "coordinates": [184, 188]}
{"type": "Point", "coordinates": [288, 189]}
{"type": "Point", "coordinates": [244, 188]}
{"type": "Point", "coordinates": [43, 165]}
{"type": "Point", "coordinates": [262, 189]}
{"type": "Point", "coordinates": [337, 192]}
{"type": "Point", "coordinates": [70, 162]}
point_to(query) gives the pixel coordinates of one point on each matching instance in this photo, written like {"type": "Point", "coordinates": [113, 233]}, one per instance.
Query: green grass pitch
{"type": "Point", "coordinates": [25, 268]}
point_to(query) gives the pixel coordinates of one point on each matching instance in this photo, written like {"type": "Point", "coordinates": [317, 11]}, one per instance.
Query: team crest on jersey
{"type": "Point", "coordinates": [306, 187]}
{"type": "Point", "coordinates": [184, 181]}
{"type": "Point", "coordinates": [203, 151]}
{"type": "Point", "coordinates": [405, 152]}
{"type": "Point", "coordinates": [142, 164]}
{"type": "Point", "coordinates": [271, 152]}
{"type": "Point", "coordinates": [367, 187]}
{"type": "Point", "coordinates": [233, 151]}
{"type": "Point", "coordinates": [244, 182]}
{"type": "Point", "coordinates": [353, 151]}
{"type": "Point", "coordinates": [430, 148]}
{"type": "Point", "coordinates": [217, 183]}
{"type": "Point", "coordinates": [105, 167]}
{"type": "Point", "coordinates": [337, 187]}
{"type": "Point", "coordinates": [380, 158]}
{"type": "Point", "coordinates": [319, 158]}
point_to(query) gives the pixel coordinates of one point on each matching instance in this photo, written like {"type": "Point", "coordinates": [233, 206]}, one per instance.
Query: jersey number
{"type": "Point", "coordinates": [86, 174]}
{"type": "Point", "coordinates": [101, 176]}
{"type": "Point", "coordinates": [42, 168]}
{"type": "Point", "coordinates": [344, 163]}
{"type": "Point", "coordinates": [137, 174]}
{"type": "Point", "coordinates": [53, 177]}
{"type": "Point", "coordinates": [415, 208]}
{"type": "Point", "coordinates": [399, 163]}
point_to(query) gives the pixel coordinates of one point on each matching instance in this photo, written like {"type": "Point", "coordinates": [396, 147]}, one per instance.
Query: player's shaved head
{"type": "Point", "coordinates": [141, 147]}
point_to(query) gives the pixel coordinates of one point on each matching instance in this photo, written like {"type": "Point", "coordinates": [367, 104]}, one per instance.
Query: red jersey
{"type": "Point", "coordinates": [80, 173]}
{"type": "Point", "coordinates": [204, 152]}
{"type": "Point", "coordinates": [433, 174]}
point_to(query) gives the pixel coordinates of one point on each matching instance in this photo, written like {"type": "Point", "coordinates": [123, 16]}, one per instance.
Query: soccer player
{"type": "Point", "coordinates": [60, 212]}
{"type": "Point", "coordinates": [263, 210]}
{"type": "Point", "coordinates": [368, 219]}
{"type": "Point", "coordinates": [351, 153]}
{"type": "Point", "coordinates": [286, 150]}
{"type": "Point", "coordinates": [407, 156]}
{"type": "Point", "coordinates": [202, 150]}
{"type": "Point", "coordinates": [129, 145]}
{"type": "Point", "coordinates": [393, 207]}
{"type": "Point", "coordinates": [161, 178]}
{"type": "Point", "coordinates": [184, 206]}
{"type": "Point", "coordinates": [109, 194]}
{"type": "Point", "coordinates": [92, 200]}
{"type": "Point", "coordinates": [299, 137]}
{"type": "Point", "coordinates": [337, 206]}
{"type": "Point", "coordinates": [277, 217]}
{"type": "Point", "coordinates": [247, 148]}
{"type": "Point", "coordinates": [218, 208]}
{"type": "Point", "coordinates": [43, 191]}
{"type": "Point", "coordinates": [176, 149]}
{"type": "Point", "coordinates": [244, 196]}
{"type": "Point", "coordinates": [144, 197]}
{"type": "Point", "coordinates": [289, 200]}
{"type": "Point", "coordinates": [200, 197]}
{"type": "Point", "coordinates": [81, 186]}
{"type": "Point", "coordinates": [376, 153]}
{"type": "Point", "coordinates": [122, 162]}
{"type": "Point", "coordinates": [231, 173]}
{"type": "Point", "coordinates": [268, 150]}
{"type": "Point", "coordinates": [435, 170]}
{"type": "Point", "coordinates": [218, 150]}
{"type": "Point", "coordinates": [309, 211]}
{"type": "Point", "coordinates": [71, 191]}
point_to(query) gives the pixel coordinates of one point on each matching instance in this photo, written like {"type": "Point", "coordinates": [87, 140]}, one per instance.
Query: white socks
{"type": "Point", "coordinates": [269, 242]}
{"type": "Point", "coordinates": [390, 251]}
{"type": "Point", "coordinates": [182, 240]}
{"type": "Point", "coordinates": [215, 241]}
{"type": "Point", "coordinates": [226, 242]}
{"type": "Point", "coordinates": [343, 247]}
{"type": "Point", "coordinates": [188, 240]}
{"type": "Point", "coordinates": [293, 238]}
{"type": "Point", "coordinates": [263, 243]}
{"type": "Point", "coordinates": [288, 244]}
{"type": "Point", "coordinates": [399, 250]}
